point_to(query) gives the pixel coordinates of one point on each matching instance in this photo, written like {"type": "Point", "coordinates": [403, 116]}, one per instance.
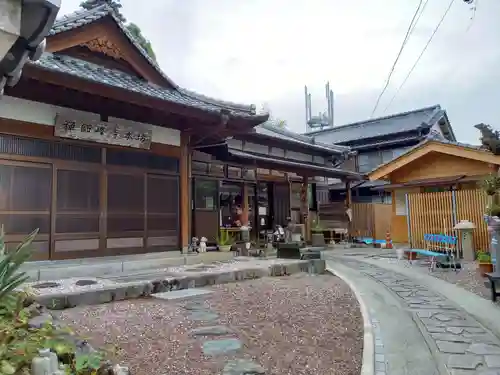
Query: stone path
{"type": "Point", "coordinates": [460, 345]}
{"type": "Point", "coordinates": [216, 340]}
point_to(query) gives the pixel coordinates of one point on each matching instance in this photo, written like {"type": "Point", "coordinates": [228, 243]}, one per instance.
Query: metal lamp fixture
{"type": "Point", "coordinates": [24, 24]}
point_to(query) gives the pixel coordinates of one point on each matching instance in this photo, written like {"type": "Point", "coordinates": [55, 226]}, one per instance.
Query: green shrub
{"type": "Point", "coordinates": [483, 257]}
{"type": "Point", "coordinates": [20, 343]}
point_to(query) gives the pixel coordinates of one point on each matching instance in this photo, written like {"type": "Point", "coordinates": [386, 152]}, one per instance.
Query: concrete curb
{"type": "Point", "coordinates": [99, 267]}
{"type": "Point", "coordinates": [368, 366]}
{"type": "Point", "coordinates": [137, 289]}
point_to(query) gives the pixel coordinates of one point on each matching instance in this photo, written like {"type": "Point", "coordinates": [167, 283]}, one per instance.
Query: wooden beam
{"type": "Point", "coordinates": [185, 191]}
{"type": "Point", "coordinates": [75, 37]}
{"type": "Point", "coordinates": [430, 146]}
{"type": "Point", "coordinates": [107, 28]}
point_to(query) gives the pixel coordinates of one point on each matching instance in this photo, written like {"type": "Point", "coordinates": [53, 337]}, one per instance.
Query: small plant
{"type": "Point", "coordinates": [10, 262]}
{"type": "Point", "coordinates": [317, 227]}
{"type": "Point", "coordinates": [19, 342]}
{"type": "Point", "coordinates": [483, 257]}
{"type": "Point", "coordinates": [493, 210]}
{"type": "Point", "coordinates": [224, 238]}
{"type": "Point", "coordinates": [491, 184]}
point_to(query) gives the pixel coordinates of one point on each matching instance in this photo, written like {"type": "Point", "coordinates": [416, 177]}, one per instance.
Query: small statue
{"type": "Point", "coordinates": [194, 245]}
{"type": "Point", "coordinates": [203, 245]}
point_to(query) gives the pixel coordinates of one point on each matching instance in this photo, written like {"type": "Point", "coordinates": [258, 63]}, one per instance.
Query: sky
{"type": "Point", "coordinates": [263, 52]}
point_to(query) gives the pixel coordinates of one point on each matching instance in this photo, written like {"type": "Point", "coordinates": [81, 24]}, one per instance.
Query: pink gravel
{"type": "Point", "coordinates": [297, 324]}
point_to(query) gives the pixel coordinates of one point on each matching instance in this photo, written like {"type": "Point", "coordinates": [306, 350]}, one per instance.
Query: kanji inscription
{"type": "Point", "coordinates": [137, 136]}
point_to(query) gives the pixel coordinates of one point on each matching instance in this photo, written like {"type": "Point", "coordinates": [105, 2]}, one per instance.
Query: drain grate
{"type": "Point", "coordinates": [85, 282]}
{"type": "Point", "coordinates": [46, 285]}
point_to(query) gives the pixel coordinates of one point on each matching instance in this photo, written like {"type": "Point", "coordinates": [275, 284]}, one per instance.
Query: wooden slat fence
{"type": "Point", "coordinates": [437, 213]}
{"type": "Point", "coordinates": [471, 206]}
{"type": "Point", "coordinates": [383, 218]}
{"type": "Point", "coordinates": [363, 220]}
{"type": "Point", "coordinates": [368, 219]}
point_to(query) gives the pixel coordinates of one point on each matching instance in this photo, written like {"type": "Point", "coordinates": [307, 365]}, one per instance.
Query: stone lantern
{"type": "Point", "coordinates": [465, 229]}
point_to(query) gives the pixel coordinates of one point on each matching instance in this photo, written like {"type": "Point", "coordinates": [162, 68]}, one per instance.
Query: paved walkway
{"type": "Point", "coordinates": [417, 330]}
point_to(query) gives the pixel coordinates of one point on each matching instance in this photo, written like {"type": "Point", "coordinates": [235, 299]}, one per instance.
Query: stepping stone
{"type": "Point", "coordinates": [484, 349]}
{"type": "Point", "coordinates": [205, 316]}
{"type": "Point", "coordinates": [211, 331]}
{"type": "Point", "coordinates": [195, 306]}
{"type": "Point", "coordinates": [464, 361]}
{"type": "Point", "coordinates": [183, 293]}
{"type": "Point", "coordinates": [216, 347]}
{"type": "Point", "coordinates": [452, 347]}
{"type": "Point", "coordinates": [243, 367]}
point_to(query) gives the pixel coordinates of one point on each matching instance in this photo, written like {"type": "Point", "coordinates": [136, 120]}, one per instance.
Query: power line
{"type": "Point", "coordinates": [420, 56]}
{"type": "Point", "coordinates": [405, 40]}
{"type": "Point", "coordinates": [420, 15]}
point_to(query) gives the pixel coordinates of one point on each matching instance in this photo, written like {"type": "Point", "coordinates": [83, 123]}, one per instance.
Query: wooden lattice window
{"type": "Point", "coordinates": [25, 197]}
{"type": "Point", "coordinates": [78, 203]}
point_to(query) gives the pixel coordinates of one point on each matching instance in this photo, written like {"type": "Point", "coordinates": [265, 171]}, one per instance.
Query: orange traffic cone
{"type": "Point", "coordinates": [388, 241]}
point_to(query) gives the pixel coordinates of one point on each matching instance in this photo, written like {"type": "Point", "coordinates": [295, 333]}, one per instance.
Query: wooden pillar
{"type": "Point", "coordinates": [185, 192]}
{"type": "Point", "coordinates": [348, 196]}
{"type": "Point", "coordinates": [304, 207]}
{"type": "Point", "coordinates": [348, 206]}
{"type": "Point", "coordinates": [244, 205]}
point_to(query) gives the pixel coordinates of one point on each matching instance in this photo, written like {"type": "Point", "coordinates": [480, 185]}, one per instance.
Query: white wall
{"type": "Point", "coordinates": [45, 115]}
{"type": "Point", "coordinates": [437, 129]}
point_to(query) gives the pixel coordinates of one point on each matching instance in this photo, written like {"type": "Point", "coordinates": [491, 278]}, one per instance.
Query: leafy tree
{"type": "Point", "coordinates": [144, 43]}
{"type": "Point", "coordinates": [490, 138]}
{"type": "Point", "coordinates": [114, 4]}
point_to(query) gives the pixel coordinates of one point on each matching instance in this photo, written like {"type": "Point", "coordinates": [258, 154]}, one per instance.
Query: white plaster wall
{"type": "Point", "coordinates": [45, 114]}
{"type": "Point", "coordinates": [437, 129]}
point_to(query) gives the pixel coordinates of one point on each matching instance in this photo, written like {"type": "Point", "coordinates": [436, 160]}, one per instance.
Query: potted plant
{"type": "Point", "coordinates": [225, 241]}
{"type": "Point", "coordinates": [317, 235]}
{"type": "Point", "coordinates": [484, 262]}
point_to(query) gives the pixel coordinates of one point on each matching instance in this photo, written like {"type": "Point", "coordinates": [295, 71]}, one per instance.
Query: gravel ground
{"type": "Point", "coordinates": [468, 278]}
{"type": "Point", "coordinates": [296, 325]}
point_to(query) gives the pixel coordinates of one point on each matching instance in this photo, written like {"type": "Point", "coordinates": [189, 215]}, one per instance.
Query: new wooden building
{"type": "Point", "coordinates": [103, 153]}
{"type": "Point", "coordinates": [434, 185]}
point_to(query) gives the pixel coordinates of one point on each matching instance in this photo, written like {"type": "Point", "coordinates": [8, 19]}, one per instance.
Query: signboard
{"type": "Point", "coordinates": [136, 136]}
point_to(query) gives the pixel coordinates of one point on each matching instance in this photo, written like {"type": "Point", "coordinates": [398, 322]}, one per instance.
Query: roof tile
{"type": "Point", "coordinates": [378, 127]}
{"type": "Point", "coordinates": [271, 130]}
{"type": "Point", "coordinates": [84, 17]}
{"type": "Point", "coordinates": [96, 73]}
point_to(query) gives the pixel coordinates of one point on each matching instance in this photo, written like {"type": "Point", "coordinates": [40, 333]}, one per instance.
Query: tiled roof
{"type": "Point", "coordinates": [96, 73]}
{"type": "Point", "coordinates": [84, 17]}
{"type": "Point", "coordinates": [324, 170]}
{"type": "Point", "coordinates": [271, 130]}
{"type": "Point", "coordinates": [401, 122]}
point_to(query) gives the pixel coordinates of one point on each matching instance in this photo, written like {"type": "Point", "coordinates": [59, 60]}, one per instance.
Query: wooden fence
{"type": "Point", "coordinates": [368, 219]}
{"type": "Point", "coordinates": [437, 213]}
{"type": "Point", "coordinates": [371, 220]}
